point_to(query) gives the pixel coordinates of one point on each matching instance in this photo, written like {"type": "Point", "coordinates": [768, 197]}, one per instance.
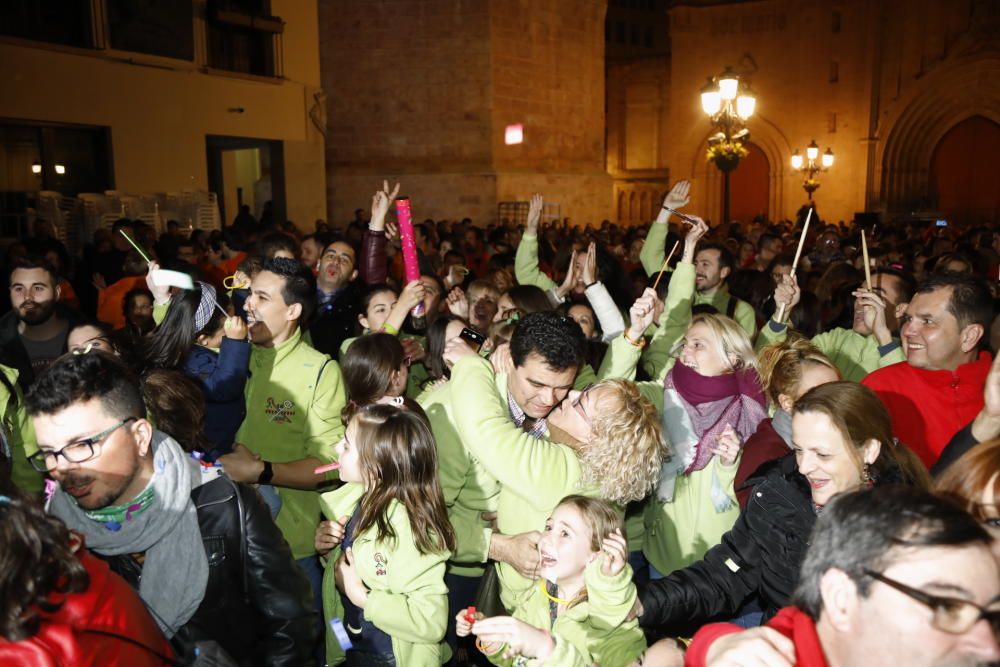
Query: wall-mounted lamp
{"type": "Point", "coordinates": [36, 167]}
{"type": "Point", "coordinates": [60, 169]}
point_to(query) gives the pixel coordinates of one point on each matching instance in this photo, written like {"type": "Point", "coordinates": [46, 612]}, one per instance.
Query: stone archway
{"type": "Point", "coordinates": [947, 96]}
{"type": "Point", "coordinates": [774, 148]}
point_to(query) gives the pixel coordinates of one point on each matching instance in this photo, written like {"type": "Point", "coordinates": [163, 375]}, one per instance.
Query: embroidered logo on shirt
{"type": "Point", "coordinates": [380, 564]}
{"type": "Point", "coordinates": [282, 414]}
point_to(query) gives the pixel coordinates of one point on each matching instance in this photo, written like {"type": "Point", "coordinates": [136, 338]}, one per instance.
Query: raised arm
{"type": "Point", "coordinates": [651, 255]}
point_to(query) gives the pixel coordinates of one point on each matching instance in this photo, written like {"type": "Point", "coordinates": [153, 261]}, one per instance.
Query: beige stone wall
{"type": "Point", "coordinates": [159, 114]}
{"type": "Point", "coordinates": [421, 92]}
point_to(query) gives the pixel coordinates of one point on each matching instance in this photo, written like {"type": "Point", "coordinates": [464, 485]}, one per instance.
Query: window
{"type": "Point", "coordinates": [66, 22]}
{"type": "Point", "coordinates": [242, 36]}
{"type": "Point", "coordinates": [160, 27]}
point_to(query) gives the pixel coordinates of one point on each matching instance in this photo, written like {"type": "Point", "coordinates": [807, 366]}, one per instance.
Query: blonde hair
{"type": "Point", "coordinates": [484, 286]}
{"type": "Point", "coordinates": [626, 447]}
{"type": "Point", "coordinates": [782, 363]}
{"type": "Point", "coordinates": [730, 339]}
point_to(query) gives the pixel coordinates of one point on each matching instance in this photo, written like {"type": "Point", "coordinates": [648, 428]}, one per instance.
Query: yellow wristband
{"type": "Point", "coordinates": [389, 329]}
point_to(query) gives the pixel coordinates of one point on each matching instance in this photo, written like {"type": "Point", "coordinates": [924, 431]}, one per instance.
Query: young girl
{"type": "Point", "coordinates": [390, 524]}
{"type": "Point", "coordinates": [375, 366]}
{"type": "Point", "coordinates": [382, 311]}
{"type": "Point", "coordinates": [211, 349]}
{"type": "Point", "coordinates": [576, 614]}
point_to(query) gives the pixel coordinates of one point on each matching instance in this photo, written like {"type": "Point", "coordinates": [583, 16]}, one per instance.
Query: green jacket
{"type": "Point", "coordinates": [294, 398]}
{"type": "Point", "coordinates": [407, 597]}
{"type": "Point", "coordinates": [652, 255]}
{"type": "Point", "coordinates": [534, 473]}
{"type": "Point", "coordinates": [418, 373]}
{"type": "Point", "coordinates": [854, 355]}
{"type": "Point", "coordinates": [659, 357]}
{"type": "Point", "coordinates": [526, 264]}
{"type": "Point", "coordinates": [469, 490]}
{"type": "Point", "coordinates": [592, 631]}
{"type": "Point", "coordinates": [19, 434]}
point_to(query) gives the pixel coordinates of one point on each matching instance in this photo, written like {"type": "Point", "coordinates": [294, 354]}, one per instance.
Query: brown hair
{"type": "Point", "coordinates": [176, 405]}
{"type": "Point", "coordinates": [36, 560]}
{"type": "Point", "coordinates": [859, 416]}
{"type": "Point", "coordinates": [367, 367]}
{"type": "Point", "coordinates": [972, 477]}
{"type": "Point", "coordinates": [397, 453]}
{"type": "Point", "coordinates": [781, 366]}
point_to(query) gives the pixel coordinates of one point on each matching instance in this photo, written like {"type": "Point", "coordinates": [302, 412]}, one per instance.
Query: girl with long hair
{"type": "Point", "coordinates": [576, 614]}
{"type": "Point", "coordinates": [393, 539]}
{"type": "Point", "coordinates": [211, 348]}
{"type": "Point", "coordinates": [384, 311]}
{"type": "Point", "coordinates": [375, 366]}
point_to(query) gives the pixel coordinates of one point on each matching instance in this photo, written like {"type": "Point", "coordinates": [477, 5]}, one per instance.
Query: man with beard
{"type": "Point", "coordinates": [201, 551]}
{"type": "Point", "coordinates": [870, 343]}
{"type": "Point", "coordinates": [137, 307]}
{"type": "Point", "coordinates": [893, 576]}
{"type": "Point", "coordinates": [34, 332]}
{"type": "Point", "coordinates": [337, 299]}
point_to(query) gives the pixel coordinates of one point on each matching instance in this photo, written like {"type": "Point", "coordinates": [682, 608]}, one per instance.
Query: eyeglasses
{"type": "Point", "coordinates": [951, 615]}
{"type": "Point", "coordinates": [74, 452]}
{"type": "Point", "coordinates": [577, 404]}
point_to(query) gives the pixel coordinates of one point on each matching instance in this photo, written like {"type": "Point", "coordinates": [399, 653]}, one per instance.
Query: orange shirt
{"type": "Point", "coordinates": [110, 300]}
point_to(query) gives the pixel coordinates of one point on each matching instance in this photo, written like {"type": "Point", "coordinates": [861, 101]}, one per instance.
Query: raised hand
{"type": "Point", "coordinates": [787, 294]}
{"type": "Point", "coordinates": [641, 313]}
{"type": "Point", "coordinates": [534, 213]}
{"type": "Point", "coordinates": [458, 303]}
{"type": "Point", "coordinates": [570, 279]}
{"type": "Point", "coordinates": [161, 293]}
{"type": "Point", "coordinates": [678, 197]}
{"type": "Point", "coordinates": [698, 229]}
{"type": "Point", "coordinates": [381, 201]}
{"type": "Point", "coordinates": [235, 328]}
{"type": "Point", "coordinates": [615, 554]}
{"type": "Point", "coordinates": [874, 310]}
{"type": "Point", "coordinates": [590, 265]}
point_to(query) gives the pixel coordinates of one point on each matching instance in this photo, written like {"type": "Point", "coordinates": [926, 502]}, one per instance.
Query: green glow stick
{"type": "Point", "coordinates": [136, 246]}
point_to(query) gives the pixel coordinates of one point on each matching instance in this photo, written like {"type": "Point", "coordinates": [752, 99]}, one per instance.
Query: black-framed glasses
{"type": "Point", "coordinates": [74, 452]}
{"type": "Point", "coordinates": [951, 615]}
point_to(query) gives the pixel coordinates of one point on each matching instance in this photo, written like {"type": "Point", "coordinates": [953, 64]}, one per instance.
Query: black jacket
{"type": "Point", "coordinates": [335, 321]}
{"type": "Point", "coordinates": [760, 555]}
{"type": "Point", "coordinates": [257, 604]}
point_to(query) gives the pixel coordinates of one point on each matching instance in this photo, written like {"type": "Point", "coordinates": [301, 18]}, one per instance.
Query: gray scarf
{"type": "Point", "coordinates": [782, 423]}
{"type": "Point", "coordinates": [175, 571]}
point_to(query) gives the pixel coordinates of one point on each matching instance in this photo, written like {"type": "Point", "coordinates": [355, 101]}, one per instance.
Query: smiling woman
{"type": "Point", "coordinates": [843, 440]}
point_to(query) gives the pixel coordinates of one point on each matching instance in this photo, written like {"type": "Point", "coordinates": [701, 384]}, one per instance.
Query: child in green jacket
{"type": "Point", "coordinates": [576, 614]}
{"type": "Point", "coordinates": [390, 522]}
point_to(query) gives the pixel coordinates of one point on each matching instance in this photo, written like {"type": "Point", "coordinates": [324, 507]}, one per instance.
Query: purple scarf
{"type": "Point", "coordinates": [712, 403]}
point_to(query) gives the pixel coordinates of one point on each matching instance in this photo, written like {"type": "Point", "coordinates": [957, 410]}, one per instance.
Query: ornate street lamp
{"type": "Point", "coordinates": [810, 168]}
{"type": "Point", "coordinates": [728, 102]}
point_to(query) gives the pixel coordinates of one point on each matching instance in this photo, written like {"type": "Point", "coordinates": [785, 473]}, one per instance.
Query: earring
{"type": "Point", "coordinates": [866, 475]}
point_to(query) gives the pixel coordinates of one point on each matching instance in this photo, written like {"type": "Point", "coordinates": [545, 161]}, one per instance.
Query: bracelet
{"type": "Point", "coordinates": [641, 343]}
{"type": "Point", "coordinates": [266, 474]}
{"type": "Point", "coordinates": [592, 284]}
{"type": "Point", "coordinates": [389, 329]}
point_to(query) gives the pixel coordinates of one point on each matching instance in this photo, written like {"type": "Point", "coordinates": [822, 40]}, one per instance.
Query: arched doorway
{"type": "Point", "coordinates": [749, 186]}
{"type": "Point", "coordinates": [963, 185]}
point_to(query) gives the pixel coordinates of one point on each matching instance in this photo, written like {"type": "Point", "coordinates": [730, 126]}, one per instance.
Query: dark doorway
{"type": "Point", "coordinates": [965, 190]}
{"type": "Point", "coordinates": [750, 186]}
{"type": "Point", "coordinates": [247, 171]}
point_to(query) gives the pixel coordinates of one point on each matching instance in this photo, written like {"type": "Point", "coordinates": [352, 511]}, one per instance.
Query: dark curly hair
{"type": "Point", "coordinates": [557, 339]}
{"type": "Point", "coordinates": [36, 560]}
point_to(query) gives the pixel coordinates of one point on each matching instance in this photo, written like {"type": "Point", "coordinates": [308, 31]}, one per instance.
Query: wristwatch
{"type": "Point", "coordinates": [266, 474]}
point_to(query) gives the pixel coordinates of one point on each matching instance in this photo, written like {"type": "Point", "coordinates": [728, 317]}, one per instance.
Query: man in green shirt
{"type": "Point", "coordinates": [294, 398]}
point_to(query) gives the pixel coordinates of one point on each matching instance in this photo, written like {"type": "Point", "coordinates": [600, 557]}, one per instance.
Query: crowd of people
{"type": "Point", "coordinates": [560, 445]}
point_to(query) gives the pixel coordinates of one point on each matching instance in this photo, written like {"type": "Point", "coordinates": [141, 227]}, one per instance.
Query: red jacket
{"type": "Point", "coordinates": [929, 407]}
{"type": "Point", "coordinates": [790, 621]}
{"type": "Point", "coordinates": [763, 446]}
{"type": "Point", "coordinates": [68, 637]}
